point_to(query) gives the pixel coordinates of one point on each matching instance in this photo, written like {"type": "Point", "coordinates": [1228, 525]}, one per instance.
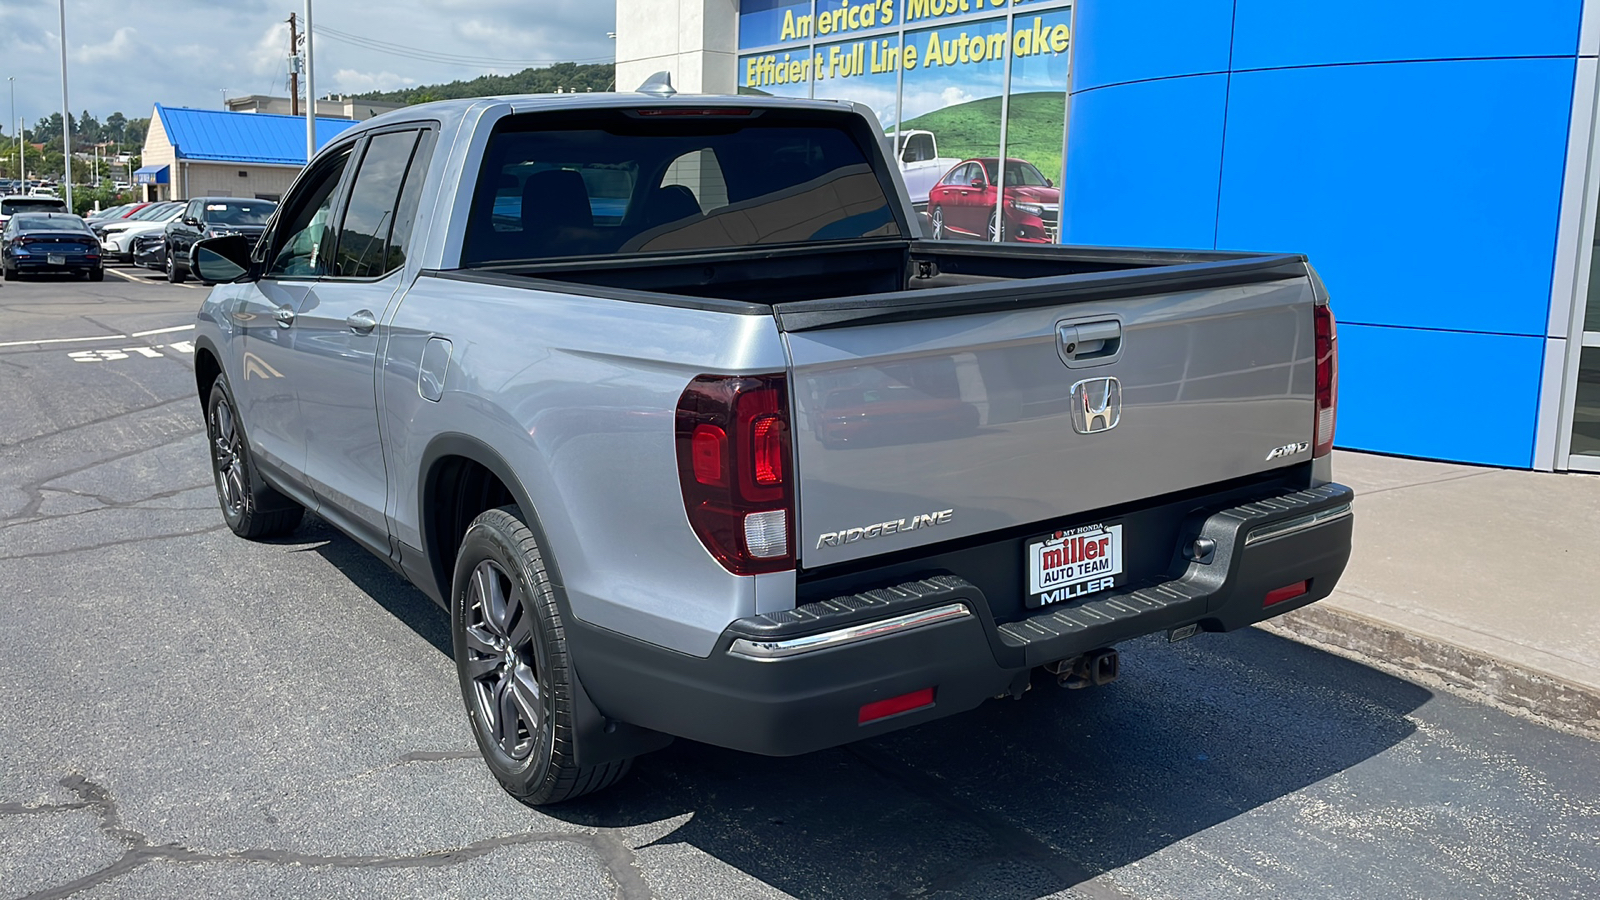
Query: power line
{"type": "Point", "coordinates": [418, 53]}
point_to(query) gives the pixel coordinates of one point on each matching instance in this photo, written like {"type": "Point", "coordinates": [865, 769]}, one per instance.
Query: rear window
{"type": "Point", "coordinates": [605, 181]}
{"type": "Point", "coordinates": [50, 223]}
{"type": "Point", "coordinates": [32, 204]}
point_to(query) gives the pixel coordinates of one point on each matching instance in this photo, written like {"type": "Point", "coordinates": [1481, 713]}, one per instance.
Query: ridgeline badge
{"type": "Point", "coordinates": [896, 526]}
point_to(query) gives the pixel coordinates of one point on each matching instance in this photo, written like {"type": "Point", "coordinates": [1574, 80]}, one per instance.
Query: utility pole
{"type": "Point", "coordinates": [66, 115]}
{"type": "Point", "coordinates": [294, 71]}
{"type": "Point", "coordinates": [311, 91]}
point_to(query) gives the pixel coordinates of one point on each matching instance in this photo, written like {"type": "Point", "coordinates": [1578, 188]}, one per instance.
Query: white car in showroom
{"type": "Point", "coordinates": [116, 238]}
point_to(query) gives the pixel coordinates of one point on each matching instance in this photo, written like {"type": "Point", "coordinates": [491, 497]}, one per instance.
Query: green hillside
{"type": "Point", "coordinates": [569, 77]}
{"type": "Point", "coordinates": [973, 129]}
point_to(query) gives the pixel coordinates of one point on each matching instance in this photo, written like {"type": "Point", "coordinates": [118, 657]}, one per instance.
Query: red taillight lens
{"type": "Point", "coordinates": [1327, 380]}
{"type": "Point", "coordinates": [734, 464]}
{"type": "Point", "coordinates": [710, 447]}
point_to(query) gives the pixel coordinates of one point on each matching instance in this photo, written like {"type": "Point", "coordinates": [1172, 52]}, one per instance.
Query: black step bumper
{"type": "Point", "coordinates": [796, 681]}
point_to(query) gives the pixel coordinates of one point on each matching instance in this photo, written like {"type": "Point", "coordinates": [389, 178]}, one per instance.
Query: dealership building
{"type": "Point", "coordinates": [218, 153]}
{"type": "Point", "coordinates": [1438, 162]}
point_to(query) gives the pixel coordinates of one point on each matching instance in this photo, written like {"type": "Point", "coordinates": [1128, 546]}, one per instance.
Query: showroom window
{"type": "Point", "coordinates": [950, 81]}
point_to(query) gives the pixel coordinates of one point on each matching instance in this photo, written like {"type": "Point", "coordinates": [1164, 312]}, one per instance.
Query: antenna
{"type": "Point", "coordinates": [659, 84]}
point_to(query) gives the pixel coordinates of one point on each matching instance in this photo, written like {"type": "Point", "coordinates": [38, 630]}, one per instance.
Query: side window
{"type": "Point", "coordinates": [919, 147]}
{"type": "Point", "coordinates": [958, 175]}
{"type": "Point", "coordinates": [192, 211]}
{"type": "Point", "coordinates": [369, 216]}
{"type": "Point", "coordinates": [303, 241]}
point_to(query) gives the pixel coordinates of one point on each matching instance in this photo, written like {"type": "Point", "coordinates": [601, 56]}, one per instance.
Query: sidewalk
{"type": "Point", "coordinates": [1486, 580]}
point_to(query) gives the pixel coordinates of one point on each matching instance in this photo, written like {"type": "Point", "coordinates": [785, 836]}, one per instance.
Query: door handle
{"type": "Point", "coordinates": [361, 321]}
{"type": "Point", "coordinates": [284, 315]}
{"type": "Point", "coordinates": [1089, 343]}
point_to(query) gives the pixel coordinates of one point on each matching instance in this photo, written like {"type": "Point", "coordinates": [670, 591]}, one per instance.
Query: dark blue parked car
{"type": "Point", "coordinates": [49, 242]}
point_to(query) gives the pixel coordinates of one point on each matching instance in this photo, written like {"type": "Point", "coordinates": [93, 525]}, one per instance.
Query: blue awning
{"type": "Point", "coordinates": [151, 175]}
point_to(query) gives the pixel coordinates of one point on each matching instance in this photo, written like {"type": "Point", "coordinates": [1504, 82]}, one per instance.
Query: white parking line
{"type": "Point", "coordinates": [162, 330]}
{"type": "Point", "coordinates": [126, 277]}
{"type": "Point", "coordinates": [102, 337]}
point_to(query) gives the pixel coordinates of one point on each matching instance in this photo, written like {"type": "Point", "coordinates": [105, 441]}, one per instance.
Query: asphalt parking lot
{"type": "Point", "coordinates": [188, 714]}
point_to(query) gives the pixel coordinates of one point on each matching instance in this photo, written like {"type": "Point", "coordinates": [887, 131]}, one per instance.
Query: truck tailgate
{"type": "Point", "coordinates": [919, 431]}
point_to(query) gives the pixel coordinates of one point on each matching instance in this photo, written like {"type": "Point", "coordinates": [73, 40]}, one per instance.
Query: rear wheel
{"type": "Point", "coordinates": [174, 274]}
{"type": "Point", "coordinates": [937, 217]}
{"type": "Point", "coordinates": [251, 507]}
{"type": "Point", "coordinates": [97, 274]}
{"type": "Point", "coordinates": [516, 676]}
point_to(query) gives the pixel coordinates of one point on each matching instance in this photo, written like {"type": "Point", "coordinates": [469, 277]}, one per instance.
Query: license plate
{"type": "Point", "coordinates": [1070, 564]}
{"type": "Point", "coordinates": [55, 259]}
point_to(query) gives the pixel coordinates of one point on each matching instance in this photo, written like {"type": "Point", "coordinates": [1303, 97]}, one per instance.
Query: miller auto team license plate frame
{"type": "Point", "coordinates": [1073, 563]}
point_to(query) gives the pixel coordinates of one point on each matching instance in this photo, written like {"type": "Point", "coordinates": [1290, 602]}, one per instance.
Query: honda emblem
{"type": "Point", "coordinates": [1096, 405]}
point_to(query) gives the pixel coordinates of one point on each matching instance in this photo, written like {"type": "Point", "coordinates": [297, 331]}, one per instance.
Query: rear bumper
{"type": "Point", "coordinates": [796, 681]}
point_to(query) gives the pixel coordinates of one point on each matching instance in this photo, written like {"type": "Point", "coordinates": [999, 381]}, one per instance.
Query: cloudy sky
{"type": "Point", "coordinates": [130, 54]}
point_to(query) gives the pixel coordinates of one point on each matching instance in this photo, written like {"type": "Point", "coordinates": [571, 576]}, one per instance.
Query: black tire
{"type": "Point", "coordinates": [97, 274]}
{"type": "Point", "coordinates": [9, 273]}
{"type": "Point", "coordinates": [174, 274]}
{"type": "Point", "coordinates": [513, 665]}
{"type": "Point", "coordinates": [252, 508]}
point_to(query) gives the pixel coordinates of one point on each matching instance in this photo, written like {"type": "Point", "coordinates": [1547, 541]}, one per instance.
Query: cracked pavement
{"type": "Point", "coordinates": [189, 714]}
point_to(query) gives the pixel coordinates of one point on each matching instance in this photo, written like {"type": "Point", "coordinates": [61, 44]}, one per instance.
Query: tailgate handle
{"type": "Point", "coordinates": [1089, 343]}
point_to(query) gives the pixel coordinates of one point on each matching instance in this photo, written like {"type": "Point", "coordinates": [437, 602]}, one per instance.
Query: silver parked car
{"type": "Point", "coordinates": [668, 402]}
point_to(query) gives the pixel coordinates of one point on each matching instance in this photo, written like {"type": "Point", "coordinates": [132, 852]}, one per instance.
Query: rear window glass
{"type": "Point", "coordinates": [32, 204]}
{"type": "Point", "coordinates": [606, 182]}
{"type": "Point", "coordinates": [50, 223]}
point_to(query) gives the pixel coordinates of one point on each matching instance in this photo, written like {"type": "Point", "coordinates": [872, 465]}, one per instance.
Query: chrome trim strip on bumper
{"type": "Point", "coordinates": [770, 650]}
{"type": "Point", "coordinates": [1297, 524]}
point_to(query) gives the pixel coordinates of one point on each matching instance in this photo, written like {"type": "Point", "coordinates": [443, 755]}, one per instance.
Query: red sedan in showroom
{"type": "Point", "coordinates": [962, 204]}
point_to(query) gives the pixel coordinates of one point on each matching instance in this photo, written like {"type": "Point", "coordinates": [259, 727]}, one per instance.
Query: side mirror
{"type": "Point", "coordinates": [191, 220]}
{"type": "Point", "coordinates": [221, 260]}
{"type": "Point", "coordinates": [1049, 183]}
{"type": "Point", "coordinates": [976, 182]}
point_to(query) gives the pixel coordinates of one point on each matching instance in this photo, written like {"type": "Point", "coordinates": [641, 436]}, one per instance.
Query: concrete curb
{"type": "Point", "coordinates": [1478, 676]}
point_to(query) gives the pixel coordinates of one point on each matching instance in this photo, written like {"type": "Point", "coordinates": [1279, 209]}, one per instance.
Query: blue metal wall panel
{"type": "Point", "coordinates": [1439, 394]}
{"type": "Point", "coordinates": [1142, 163]}
{"type": "Point", "coordinates": [1116, 41]}
{"type": "Point", "coordinates": [1425, 193]}
{"type": "Point", "coordinates": [1315, 32]}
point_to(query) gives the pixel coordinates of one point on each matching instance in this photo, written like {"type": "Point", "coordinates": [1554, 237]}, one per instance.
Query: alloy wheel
{"type": "Point", "coordinates": [227, 451]}
{"type": "Point", "coordinates": [938, 223]}
{"type": "Point", "coordinates": [501, 662]}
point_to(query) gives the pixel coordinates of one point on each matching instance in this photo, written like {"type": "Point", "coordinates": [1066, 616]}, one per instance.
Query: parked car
{"type": "Point", "coordinates": [920, 164]}
{"type": "Point", "coordinates": [602, 444]}
{"type": "Point", "coordinates": [149, 250]}
{"type": "Point", "coordinates": [116, 238]}
{"type": "Point", "coordinates": [962, 204]}
{"type": "Point", "coordinates": [37, 243]}
{"type": "Point", "coordinates": [12, 204]}
{"type": "Point", "coordinates": [205, 217]}
{"type": "Point", "coordinates": [113, 214]}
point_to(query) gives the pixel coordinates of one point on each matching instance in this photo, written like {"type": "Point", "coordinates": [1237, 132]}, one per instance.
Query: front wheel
{"type": "Point", "coordinates": [511, 658]}
{"type": "Point", "coordinates": [174, 274]}
{"type": "Point", "coordinates": [994, 226]}
{"type": "Point", "coordinates": [252, 508]}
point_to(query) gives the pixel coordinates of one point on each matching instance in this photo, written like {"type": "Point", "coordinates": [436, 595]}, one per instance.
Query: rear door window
{"type": "Point", "coordinates": [364, 235]}
{"type": "Point", "coordinates": [623, 181]}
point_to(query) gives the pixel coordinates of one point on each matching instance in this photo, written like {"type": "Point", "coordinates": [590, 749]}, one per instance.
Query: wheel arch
{"type": "Point", "coordinates": [450, 468]}
{"type": "Point", "coordinates": [207, 366]}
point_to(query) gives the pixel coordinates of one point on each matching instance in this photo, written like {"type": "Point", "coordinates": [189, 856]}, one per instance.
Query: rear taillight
{"type": "Point", "coordinates": [735, 466]}
{"type": "Point", "coordinates": [1327, 379]}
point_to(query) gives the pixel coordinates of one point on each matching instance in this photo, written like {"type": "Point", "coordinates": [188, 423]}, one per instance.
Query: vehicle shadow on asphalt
{"type": "Point", "coordinates": [1016, 799]}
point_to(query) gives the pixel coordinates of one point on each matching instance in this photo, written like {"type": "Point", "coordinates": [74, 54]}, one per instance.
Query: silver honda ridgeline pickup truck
{"type": "Point", "coordinates": [669, 403]}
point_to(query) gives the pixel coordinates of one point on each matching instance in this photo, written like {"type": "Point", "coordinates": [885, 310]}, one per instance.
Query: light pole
{"type": "Point", "coordinates": [311, 92]}
{"type": "Point", "coordinates": [66, 117]}
{"type": "Point", "coordinates": [12, 81]}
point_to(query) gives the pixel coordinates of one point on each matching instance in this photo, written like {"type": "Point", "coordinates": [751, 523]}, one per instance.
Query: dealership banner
{"type": "Point", "coordinates": [958, 84]}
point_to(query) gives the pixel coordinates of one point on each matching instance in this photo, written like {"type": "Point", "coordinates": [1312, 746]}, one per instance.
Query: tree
{"type": "Point", "coordinates": [116, 124]}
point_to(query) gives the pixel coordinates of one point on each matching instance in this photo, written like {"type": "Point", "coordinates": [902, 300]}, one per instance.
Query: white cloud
{"type": "Point", "coordinates": [953, 95]}
{"type": "Point", "coordinates": [124, 45]}
{"type": "Point", "coordinates": [350, 81]}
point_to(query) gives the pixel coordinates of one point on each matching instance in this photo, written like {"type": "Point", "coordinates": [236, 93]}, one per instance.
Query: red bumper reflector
{"type": "Point", "coordinates": [1287, 592]}
{"type": "Point", "coordinates": [882, 709]}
